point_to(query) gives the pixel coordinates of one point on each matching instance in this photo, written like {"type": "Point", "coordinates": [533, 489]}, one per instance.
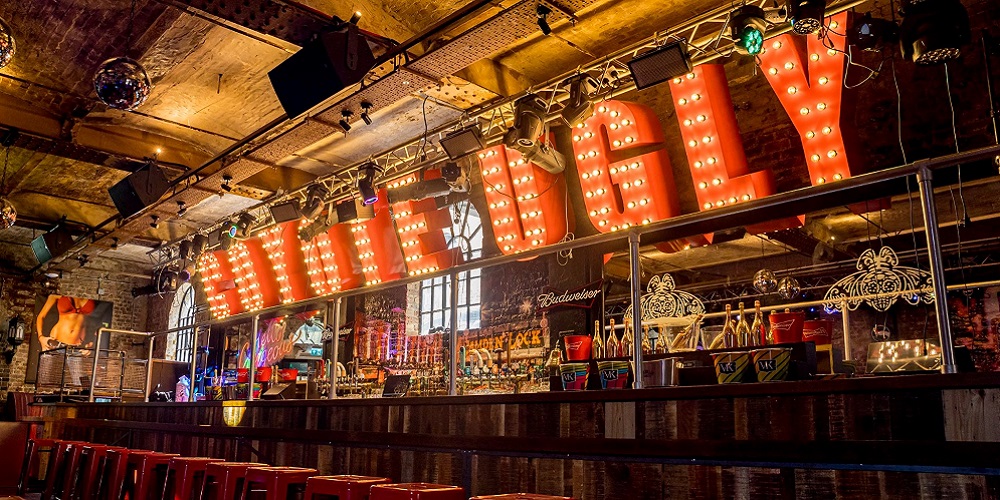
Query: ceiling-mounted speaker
{"type": "Point", "coordinates": [139, 190]}
{"type": "Point", "coordinates": [51, 244]}
{"type": "Point", "coordinates": [325, 66]}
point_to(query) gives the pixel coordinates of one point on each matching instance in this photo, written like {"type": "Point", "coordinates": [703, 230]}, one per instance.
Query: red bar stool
{"type": "Point", "coordinates": [520, 496]}
{"type": "Point", "coordinates": [145, 474]}
{"type": "Point", "coordinates": [58, 469]}
{"type": "Point", "coordinates": [343, 487]}
{"type": "Point", "coordinates": [30, 479]}
{"type": "Point", "coordinates": [93, 460]}
{"type": "Point", "coordinates": [276, 482]}
{"type": "Point", "coordinates": [417, 491]}
{"type": "Point", "coordinates": [185, 476]}
{"type": "Point", "coordinates": [224, 480]}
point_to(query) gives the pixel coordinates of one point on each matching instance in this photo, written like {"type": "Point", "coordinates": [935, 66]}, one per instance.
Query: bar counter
{"type": "Point", "coordinates": [916, 436]}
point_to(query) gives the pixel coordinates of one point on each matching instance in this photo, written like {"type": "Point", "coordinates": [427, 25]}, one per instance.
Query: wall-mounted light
{"type": "Point", "coordinates": [226, 180]}
{"type": "Point", "coordinates": [16, 334]}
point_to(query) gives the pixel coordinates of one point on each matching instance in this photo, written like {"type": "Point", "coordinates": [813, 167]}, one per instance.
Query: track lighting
{"type": "Point", "coordinates": [345, 122]}
{"type": "Point", "coordinates": [366, 182]}
{"type": "Point", "coordinates": [529, 122]}
{"type": "Point", "coordinates": [366, 108]}
{"type": "Point", "coordinates": [181, 208]}
{"type": "Point", "coordinates": [543, 12]}
{"type": "Point", "coordinates": [933, 31]}
{"type": "Point", "coordinates": [154, 221]}
{"type": "Point", "coordinates": [226, 179]}
{"type": "Point", "coordinates": [579, 107]}
{"type": "Point", "coordinates": [315, 198]}
{"type": "Point", "coordinates": [806, 15]}
{"type": "Point", "coordinates": [748, 27]}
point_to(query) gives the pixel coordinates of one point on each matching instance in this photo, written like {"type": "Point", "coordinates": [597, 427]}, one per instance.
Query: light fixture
{"type": "Point", "coordinates": [227, 234]}
{"type": "Point", "coordinates": [355, 18]}
{"type": "Point", "coordinates": [542, 12]}
{"type": "Point", "coordinates": [872, 34]}
{"type": "Point", "coordinates": [463, 142]}
{"type": "Point", "coordinates": [114, 243]}
{"type": "Point", "coordinates": [318, 226]}
{"type": "Point", "coordinates": [345, 120]}
{"type": "Point", "coordinates": [660, 64]}
{"type": "Point", "coordinates": [366, 182]}
{"type": "Point", "coordinates": [226, 180]}
{"type": "Point", "coordinates": [353, 211]}
{"type": "Point", "coordinates": [184, 250]}
{"type": "Point", "coordinates": [16, 335]}
{"type": "Point", "coordinates": [198, 245]}
{"type": "Point", "coordinates": [806, 15]}
{"type": "Point", "coordinates": [244, 225]}
{"type": "Point", "coordinates": [286, 211]}
{"type": "Point", "coordinates": [154, 221]}
{"type": "Point", "coordinates": [748, 27]}
{"type": "Point", "coordinates": [420, 191]}
{"type": "Point", "coordinates": [7, 44]}
{"type": "Point", "coordinates": [366, 108]}
{"type": "Point", "coordinates": [529, 121]}
{"type": "Point", "coordinates": [181, 208]}
{"type": "Point", "coordinates": [933, 31]}
{"type": "Point", "coordinates": [315, 199]}
{"type": "Point", "coordinates": [579, 107]}
{"type": "Point", "coordinates": [122, 83]}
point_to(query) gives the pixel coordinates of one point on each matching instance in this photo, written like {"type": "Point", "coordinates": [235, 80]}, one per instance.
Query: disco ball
{"type": "Point", "coordinates": [765, 281]}
{"type": "Point", "coordinates": [8, 215]}
{"type": "Point", "coordinates": [7, 44]}
{"type": "Point", "coordinates": [122, 83]}
{"type": "Point", "coordinates": [788, 288]}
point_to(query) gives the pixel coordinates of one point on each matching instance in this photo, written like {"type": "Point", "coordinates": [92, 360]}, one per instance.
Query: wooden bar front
{"type": "Point", "coordinates": [924, 436]}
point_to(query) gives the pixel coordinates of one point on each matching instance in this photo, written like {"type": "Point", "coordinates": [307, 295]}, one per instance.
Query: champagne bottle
{"type": "Point", "coordinates": [612, 346]}
{"type": "Point", "coordinates": [729, 329]}
{"type": "Point", "coordinates": [647, 346]}
{"type": "Point", "coordinates": [757, 328]}
{"type": "Point", "coordinates": [627, 345]}
{"type": "Point", "coordinates": [743, 329]}
{"type": "Point", "coordinates": [597, 345]}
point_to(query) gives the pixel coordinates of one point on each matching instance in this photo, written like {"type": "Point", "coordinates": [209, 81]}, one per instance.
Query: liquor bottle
{"type": "Point", "coordinates": [743, 329]}
{"type": "Point", "coordinates": [597, 345]}
{"type": "Point", "coordinates": [627, 346]}
{"type": "Point", "coordinates": [612, 347]}
{"type": "Point", "coordinates": [757, 333]}
{"type": "Point", "coordinates": [647, 346]}
{"type": "Point", "coordinates": [729, 329]}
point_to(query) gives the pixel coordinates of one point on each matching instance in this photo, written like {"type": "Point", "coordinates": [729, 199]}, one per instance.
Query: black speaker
{"type": "Point", "coordinates": [279, 391]}
{"type": "Point", "coordinates": [320, 69]}
{"type": "Point", "coordinates": [139, 190]}
{"type": "Point", "coordinates": [51, 244]}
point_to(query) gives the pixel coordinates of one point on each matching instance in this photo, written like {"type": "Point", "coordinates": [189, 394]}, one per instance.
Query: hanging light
{"type": "Point", "coordinates": [7, 44]}
{"type": "Point", "coordinates": [122, 83]}
{"type": "Point", "coordinates": [748, 28]}
{"type": "Point", "coordinates": [366, 183]}
{"type": "Point", "coordinates": [579, 107]}
{"type": "Point", "coordinates": [806, 15]}
{"type": "Point", "coordinates": [933, 31]}
{"type": "Point", "coordinates": [870, 33]}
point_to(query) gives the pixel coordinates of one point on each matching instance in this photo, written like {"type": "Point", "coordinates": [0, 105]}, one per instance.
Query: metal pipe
{"type": "Point", "coordinates": [93, 371]}
{"type": "Point", "coordinates": [636, 284]}
{"type": "Point", "coordinates": [254, 326]}
{"type": "Point", "coordinates": [335, 348]}
{"type": "Point", "coordinates": [194, 364]}
{"type": "Point", "coordinates": [925, 179]}
{"type": "Point", "coordinates": [845, 316]}
{"type": "Point", "coordinates": [149, 367]}
{"type": "Point", "coordinates": [453, 338]}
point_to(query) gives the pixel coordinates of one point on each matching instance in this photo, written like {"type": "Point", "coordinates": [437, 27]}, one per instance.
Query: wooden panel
{"type": "Point", "coordinates": [971, 415]}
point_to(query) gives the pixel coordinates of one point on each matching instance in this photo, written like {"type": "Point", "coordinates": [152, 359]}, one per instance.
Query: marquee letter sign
{"type": "Point", "coordinates": [218, 281]}
{"type": "Point", "coordinates": [420, 225]}
{"type": "Point", "coordinates": [378, 248]}
{"type": "Point", "coordinates": [808, 78]}
{"type": "Point", "coordinates": [282, 245]}
{"type": "Point", "coordinates": [624, 182]}
{"type": "Point", "coordinates": [527, 204]}
{"type": "Point", "coordinates": [254, 276]}
{"type": "Point", "coordinates": [332, 261]}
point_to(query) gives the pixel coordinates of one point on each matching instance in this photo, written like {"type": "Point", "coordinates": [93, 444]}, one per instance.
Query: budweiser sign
{"type": "Point", "coordinates": [581, 297]}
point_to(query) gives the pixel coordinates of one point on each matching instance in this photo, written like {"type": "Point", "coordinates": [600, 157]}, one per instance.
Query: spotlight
{"type": "Point", "coordinates": [421, 191]}
{"type": "Point", "coordinates": [463, 142]}
{"type": "Point", "coordinates": [660, 64]}
{"type": "Point", "coordinates": [83, 259]}
{"type": "Point", "coordinates": [345, 122]}
{"type": "Point", "coordinates": [226, 179]}
{"type": "Point", "coordinates": [226, 236]}
{"type": "Point", "coordinates": [451, 172]}
{"type": "Point", "coordinates": [933, 31]}
{"type": "Point", "coordinates": [7, 44]}
{"type": "Point", "coordinates": [154, 221]}
{"type": "Point", "coordinates": [806, 15]}
{"type": "Point", "coordinates": [198, 245]}
{"type": "Point", "coordinates": [184, 250]}
{"type": "Point", "coordinates": [366, 108]}
{"type": "Point", "coordinates": [319, 226]}
{"type": "Point", "coordinates": [181, 208]}
{"type": "Point", "coordinates": [872, 34]}
{"type": "Point", "coordinates": [543, 19]}
{"type": "Point", "coordinates": [529, 122]}
{"type": "Point", "coordinates": [315, 198]}
{"type": "Point", "coordinates": [579, 107]}
{"type": "Point", "coordinates": [244, 225]}
{"type": "Point", "coordinates": [366, 182]}
{"type": "Point", "coordinates": [748, 28]}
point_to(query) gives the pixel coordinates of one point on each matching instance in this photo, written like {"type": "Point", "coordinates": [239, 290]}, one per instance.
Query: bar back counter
{"type": "Point", "coordinates": [921, 436]}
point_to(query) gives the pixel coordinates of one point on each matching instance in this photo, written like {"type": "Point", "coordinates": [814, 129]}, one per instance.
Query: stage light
{"type": "Point", "coordinates": [463, 142]}
{"type": "Point", "coordinates": [748, 27]}
{"type": "Point", "coordinates": [319, 226]}
{"type": "Point", "coordinates": [198, 245]}
{"type": "Point", "coordinates": [345, 121]}
{"type": "Point", "coordinates": [542, 12]}
{"type": "Point", "coordinates": [529, 122]}
{"type": "Point", "coordinates": [181, 208]}
{"type": "Point", "coordinates": [933, 31]}
{"type": "Point", "coordinates": [227, 236]}
{"type": "Point", "coordinates": [579, 107]}
{"type": "Point", "coordinates": [366, 182]}
{"type": "Point", "coordinates": [366, 108]}
{"type": "Point", "coordinates": [354, 211]}
{"type": "Point", "coordinates": [154, 221]}
{"type": "Point", "coordinates": [244, 225]}
{"type": "Point", "coordinates": [872, 34]}
{"type": "Point", "coordinates": [661, 64]}
{"type": "Point", "coordinates": [226, 179]}
{"type": "Point", "coordinates": [315, 198]}
{"type": "Point", "coordinates": [184, 250]}
{"type": "Point", "coordinates": [284, 212]}
{"type": "Point", "coordinates": [806, 15]}
{"type": "Point", "coordinates": [420, 191]}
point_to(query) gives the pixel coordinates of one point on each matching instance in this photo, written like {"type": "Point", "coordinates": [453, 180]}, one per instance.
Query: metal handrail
{"type": "Point", "coordinates": [97, 356]}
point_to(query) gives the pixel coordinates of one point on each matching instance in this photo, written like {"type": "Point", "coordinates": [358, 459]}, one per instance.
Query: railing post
{"type": "Point", "coordinates": [194, 365]}
{"type": "Point", "coordinates": [636, 283]}
{"type": "Point", "coordinates": [925, 180]}
{"type": "Point", "coordinates": [335, 348]}
{"type": "Point", "coordinates": [93, 371]}
{"type": "Point", "coordinates": [453, 339]}
{"type": "Point", "coordinates": [254, 326]}
{"type": "Point", "coordinates": [149, 367]}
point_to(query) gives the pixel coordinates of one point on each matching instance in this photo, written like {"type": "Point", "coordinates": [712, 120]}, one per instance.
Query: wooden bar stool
{"type": "Point", "coordinates": [93, 460]}
{"type": "Point", "coordinates": [112, 478]}
{"type": "Point", "coordinates": [58, 469]}
{"type": "Point", "coordinates": [520, 496]}
{"type": "Point", "coordinates": [185, 476]}
{"type": "Point", "coordinates": [343, 487]}
{"type": "Point", "coordinates": [145, 474]}
{"type": "Point", "coordinates": [30, 479]}
{"type": "Point", "coordinates": [417, 491]}
{"type": "Point", "coordinates": [276, 482]}
{"type": "Point", "coordinates": [224, 480]}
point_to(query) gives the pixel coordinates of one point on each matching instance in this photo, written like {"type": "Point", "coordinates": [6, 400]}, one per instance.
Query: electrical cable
{"type": "Point", "coordinates": [954, 134]}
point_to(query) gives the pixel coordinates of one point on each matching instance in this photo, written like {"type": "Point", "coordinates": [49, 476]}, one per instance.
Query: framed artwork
{"type": "Point", "coordinates": [62, 320]}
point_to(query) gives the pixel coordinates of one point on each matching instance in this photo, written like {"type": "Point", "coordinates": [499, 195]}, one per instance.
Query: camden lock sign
{"type": "Point", "coordinates": [582, 297]}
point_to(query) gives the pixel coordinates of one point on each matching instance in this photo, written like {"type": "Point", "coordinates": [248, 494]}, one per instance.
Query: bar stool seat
{"type": "Point", "coordinates": [417, 491]}
{"type": "Point", "coordinates": [59, 467]}
{"type": "Point", "coordinates": [185, 476]}
{"type": "Point", "coordinates": [93, 459]}
{"type": "Point", "coordinates": [145, 474]}
{"type": "Point", "coordinates": [224, 480]}
{"type": "Point", "coordinates": [343, 487]}
{"type": "Point", "coordinates": [30, 479]}
{"type": "Point", "coordinates": [520, 496]}
{"type": "Point", "coordinates": [275, 481]}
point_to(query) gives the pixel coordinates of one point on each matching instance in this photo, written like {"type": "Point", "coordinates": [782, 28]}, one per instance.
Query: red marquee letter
{"type": "Point", "coordinates": [420, 225]}
{"type": "Point", "coordinates": [281, 243]}
{"type": "Point", "coordinates": [378, 247]}
{"type": "Point", "coordinates": [218, 281]}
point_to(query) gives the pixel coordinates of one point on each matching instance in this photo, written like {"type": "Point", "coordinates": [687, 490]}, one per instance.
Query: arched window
{"type": "Point", "coordinates": [182, 313]}
{"type": "Point", "coordinates": [466, 233]}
